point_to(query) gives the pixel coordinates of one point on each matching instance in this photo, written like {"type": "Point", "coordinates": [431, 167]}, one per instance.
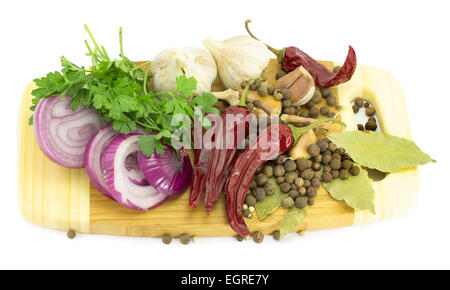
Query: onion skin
{"type": "Point", "coordinates": [121, 187]}
{"type": "Point", "coordinates": [166, 172]}
{"type": "Point", "coordinates": [92, 162]}
{"type": "Point", "coordinates": [62, 134]}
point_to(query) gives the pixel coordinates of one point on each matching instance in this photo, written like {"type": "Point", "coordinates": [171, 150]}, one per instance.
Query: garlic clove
{"type": "Point", "coordinates": [300, 83]}
{"type": "Point", "coordinates": [229, 95]}
{"type": "Point", "coordinates": [238, 58]}
{"type": "Point", "coordinates": [287, 80]}
{"type": "Point", "coordinates": [300, 149]}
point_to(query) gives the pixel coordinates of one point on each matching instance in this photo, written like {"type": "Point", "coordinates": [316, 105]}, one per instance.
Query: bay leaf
{"type": "Point", "coordinates": [380, 151]}
{"type": "Point", "coordinates": [292, 219]}
{"type": "Point", "coordinates": [356, 191]}
{"type": "Point", "coordinates": [270, 204]}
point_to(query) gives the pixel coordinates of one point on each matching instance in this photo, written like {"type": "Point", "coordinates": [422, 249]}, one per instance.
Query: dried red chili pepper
{"type": "Point", "coordinates": [252, 158]}
{"type": "Point", "coordinates": [222, 158]}
{"type": "Point", "coordinates": [292, 57]}
{"type": "Point", "coordinates": [245, 167]}
{"type": "Point", "coordinates": [212, 165]}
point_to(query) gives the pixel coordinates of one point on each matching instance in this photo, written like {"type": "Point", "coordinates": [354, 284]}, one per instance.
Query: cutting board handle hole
{"type": "Point", "coordinates": [365, 113]}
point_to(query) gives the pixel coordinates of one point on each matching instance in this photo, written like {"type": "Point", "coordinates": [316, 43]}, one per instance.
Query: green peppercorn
{"type": "Point", "coordinates": [276, 235]}
{"type": "Point", "coordinates": [289, 165]}
{"type": "Point", "coordinates": [327, 177]}
{"type": "Point", "coordinates": [315, 182]}
{"type": "Point", "coordinates": [324, 110]}
{"type": "Point", "coordinates": [166, 239]}
{"type": "Point", "coordinates": [269, 188]}
{"type": "Point", "coordinates": [258, 237]}
{"type": "Point", "coordinates": [354, 170]}
{"type": "Point", "coordinates": [343, 173]}
{"type": "Point", "coordinates": [279, 74]}
{"type": "Point", "coordinates": [185, 239]}
{"type": "Point", "coordinates": [306, 174]}
{"type": "Point", "coordinates": [300, 202]}
{"type": "Point", "coordinates": [303, 163]}
{"type": "Point", "coordinates": [287, 202]}
{"type": "Point", "coordinates": [360, 127]}
{"type": "Point", "coordinates": [335, 164]}
{"type": "Point", "coordinates": [314, 112]}
{"type": "Point", "coordinates": [370, 111]}
{"type": "Point", "coordinates": [285, 187]}
{"type": "Point", "coordinates": [313, 150]}
{"type": "Point", "coordinates": [250, 200]}
{"type": "Point", "coordinates": [331, 101]}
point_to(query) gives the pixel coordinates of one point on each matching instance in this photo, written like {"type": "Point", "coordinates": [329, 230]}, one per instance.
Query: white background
{"type": "Point", "coordinates": [408, 38]}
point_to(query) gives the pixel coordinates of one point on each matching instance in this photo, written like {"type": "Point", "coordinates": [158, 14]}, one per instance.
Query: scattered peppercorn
{"type": "Point", "coordinates": [260, 193]}
{"type": "Point", "coordinates": [257, 103]}
{"type": "Point", "coordinates": [239, 238]}
{"type": "Point", "coordinates": [262, 91]}
{"type": "Point", "coordinates": [300, 202]}
{"type": "Point", "coordinates": [325, 92]}
{"type": "Point", "coordinates": [277, 95]}
{"type": "Point", "coordinates": [258, 237]}
{"type": "Point", "coordinates": [354, 170]}
{"type": "Point", "coordinates": [372, 126]}
{"type": "Point", "coordinates": [287, 202]}
{"type": "Point", "coordinates": [359, 102]}
{"type": "Point", "coordinates": [370, 111]}
{"type": "Point", "coordinates": [347, 164]}
{"type": "Point", "coordinates": [360, 127]}
{"type": "Point", "coordinates": [343, 173]}
{"type": "Point", "coordinates": [276, 235]}
{"type": "Point", "coordinates": [71, 234]}
{"type": "Point", "coordinates": [185, 239]}
{"type": "Point", "coordinates": [270, 90]}
{"type": "Point", "coordinates": [285, 187]}
{"type": "Point", "coordinates": [315, 182]}
{"type": "Point", "coordinates": [324, 110]}
{"type": "Point", "coordinates": [331, 115]}
{"type": "Point", "coordinates": [366, 104]}
{"type": "Point", "coordinates": [310, 201]}
{"type": "Point", "coordinates": [314, 112]}
{"type": "Point", "coordinates": [166, 239]}
{"type": "Point", "coordinates": [294, 193]}
{"type": "Point", "coordinates": [250, 199]}
{"type": "Point", "coordinates": [280, 74]}
{"type": "Point", "coordinates": [355, 109]}
{"type": "Point", "coordinates": [331, 101]}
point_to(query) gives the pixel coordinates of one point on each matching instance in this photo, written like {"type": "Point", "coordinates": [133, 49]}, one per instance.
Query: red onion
{"type": "Point", "coordinates": [117, 176]}
{"type": "Point", "coordinates": [92, 156]}
{"type": "Point", "coordinates": [169, 173]}
{"type": "Point", "coordinates": [62, 133]}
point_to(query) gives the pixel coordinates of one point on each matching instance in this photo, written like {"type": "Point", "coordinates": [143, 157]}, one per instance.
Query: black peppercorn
{"type": "Point", "coordinates": [343, 174]}
{"type": "Point", "coordinates": [335, 164]}
{"type": "Point", "coordinates": [370, 111]}
{"type": "Point", "coordinates": [360, 127]}
{"type": "Point", "coordinates": [327, 177]}
{"type": "Point", "coordinates": [354, 170]}
{"type": "Point", "coordinates": [250, 200]}
{"type": "Point", "coordinates": [355, 109]}
{"type": "Point", "coordinates": [300, 202]}
{"type": "Point", "coordinates": [331, 100]}
{"type": "Point", "coordinates": [313, 150]}
{"type": "Point", "coordinates": [314, 112]}
{"type": "Point", "coordinates": [280, 74]}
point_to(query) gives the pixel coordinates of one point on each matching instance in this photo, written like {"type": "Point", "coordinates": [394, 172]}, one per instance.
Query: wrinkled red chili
{"type": "Point", "coordinates": [292, 57]}
{"type": "Point", "coordinates": [211, 166]}
{"type": "Point", "coordinates": [245, 167]}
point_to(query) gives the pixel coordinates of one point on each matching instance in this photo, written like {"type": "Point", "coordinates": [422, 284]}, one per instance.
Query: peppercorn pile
{"type": "Point", "coordinates": [301, 178]}
{"type": "Point", "coordinates": [370, 111]}
{"type": "Point", "coordinates": [261, 86]}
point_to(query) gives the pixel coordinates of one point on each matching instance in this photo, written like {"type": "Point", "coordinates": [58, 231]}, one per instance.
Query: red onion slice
{"type": "Point", "coordinates": [121, 187]}
{"type": "Point", "coordinates": [169, 173]}
{"type": "Point", "coordinates": [92, 156]}
{"type": "Point", "coordinates": [62, 133]}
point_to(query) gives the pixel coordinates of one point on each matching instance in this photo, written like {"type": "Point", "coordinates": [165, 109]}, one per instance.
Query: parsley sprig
{"type": "Point", "coordinates": [118, 91]}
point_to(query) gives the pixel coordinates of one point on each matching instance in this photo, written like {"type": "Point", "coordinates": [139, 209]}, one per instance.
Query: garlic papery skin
{"type": "Point", "coordinates": [190, 61]}
{"type": "Point", "coordinates": [238, 58]}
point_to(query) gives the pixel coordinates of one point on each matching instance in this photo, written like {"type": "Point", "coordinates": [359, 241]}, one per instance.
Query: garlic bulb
{"type": "Point", "coordinates": [238, 58]}
{"type": "Point", "coordinates": [191, 61]}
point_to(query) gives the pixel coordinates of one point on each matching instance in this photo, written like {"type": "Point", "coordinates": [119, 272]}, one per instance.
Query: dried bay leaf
{"type": "Point", "coordinates": [292, 219]}
{"type": "Point", "coordinates": [380, 151]}
{"type": "Point", "coordinates": [271, 202]}
{"type": "Point", "coordinates": [356, 191]}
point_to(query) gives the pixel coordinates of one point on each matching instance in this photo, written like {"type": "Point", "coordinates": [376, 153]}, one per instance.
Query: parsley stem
{"type": "Point", "coordinates": [95, 42]}
{"type": "Point", "coordinates": [94, 62]}
{"type": "Point", "coordinates": [142, 65]}
{"type": "Point", "coordinates": [120, 40]}
{"type": "Point", "coordinates": [244, 94]}
{"type": "Point", "coordinates": [145, 80]}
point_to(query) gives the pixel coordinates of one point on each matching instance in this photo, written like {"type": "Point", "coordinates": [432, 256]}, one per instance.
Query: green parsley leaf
{"type": "Point", "coordinates": [186, 86]}
{"type": "Point", "coordinates": [149, 144]}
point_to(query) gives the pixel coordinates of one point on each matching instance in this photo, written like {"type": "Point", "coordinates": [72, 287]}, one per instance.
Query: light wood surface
{"type": "Point", "coordinates": [60, 198]}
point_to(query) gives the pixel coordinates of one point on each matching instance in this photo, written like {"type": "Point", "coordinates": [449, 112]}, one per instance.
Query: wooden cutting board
{"type": "Point", "coordinates": [60, 198]}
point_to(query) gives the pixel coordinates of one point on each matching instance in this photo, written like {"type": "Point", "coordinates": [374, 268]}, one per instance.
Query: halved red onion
{"type": "Point", "coordinates": [92, 163]}
{"type": "Point", "coordinates": [169, 173]}
{"type": "Point", "coordinates": [117, 176]}
{"type": "Point", "coordinates": [62, 134]}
